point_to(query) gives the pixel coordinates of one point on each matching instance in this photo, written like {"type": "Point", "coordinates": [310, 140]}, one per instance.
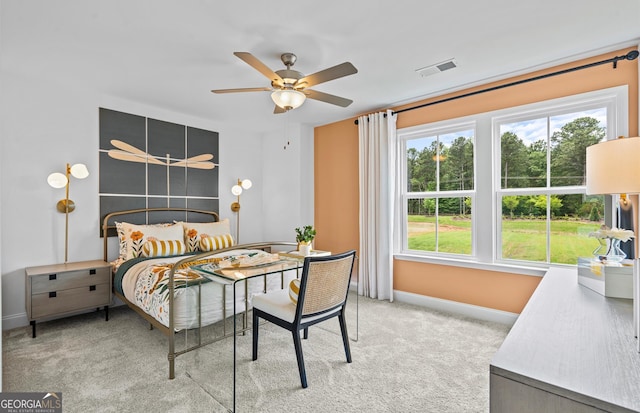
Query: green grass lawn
{"type": "Point", "coordinates": [522, 239]}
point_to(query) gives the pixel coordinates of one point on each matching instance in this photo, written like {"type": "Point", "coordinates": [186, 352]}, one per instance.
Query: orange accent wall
{"type": "Point", "coordinates": [336, 187]}
{"type": "Point", "coordinates": [336, 179]}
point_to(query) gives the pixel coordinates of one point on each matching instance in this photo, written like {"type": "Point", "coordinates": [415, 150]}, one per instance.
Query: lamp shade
{"type": "Point", "coordinates": [246, 183]}
{"type": "Point", "coordinates": [613, 167]}
{"type": "Point", "coordinates": [79, 171]}
{"type": "Point", "coordinates": [288, 98]}
{"type": "Point", "coordinates": [236, 190]}
{"type": "Point", "coordinates": [57, 180]}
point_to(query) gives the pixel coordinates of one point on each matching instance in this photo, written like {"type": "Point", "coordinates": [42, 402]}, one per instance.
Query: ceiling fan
{"type": "Point", "coordinates": [289, 87]}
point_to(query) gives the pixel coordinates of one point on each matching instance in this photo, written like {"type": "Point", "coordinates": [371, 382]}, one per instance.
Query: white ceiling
{"type": "Point", "coordinates": [171, 53]}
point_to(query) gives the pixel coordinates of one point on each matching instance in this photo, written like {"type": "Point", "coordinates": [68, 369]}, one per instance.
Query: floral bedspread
{"type": "Point", "coordinates": [152, 288]}
{"type": "Point", "coordinates": [152, 282]}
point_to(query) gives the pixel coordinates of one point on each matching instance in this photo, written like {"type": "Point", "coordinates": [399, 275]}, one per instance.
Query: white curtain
{"type": "Point", "coordinates": [377, 133]}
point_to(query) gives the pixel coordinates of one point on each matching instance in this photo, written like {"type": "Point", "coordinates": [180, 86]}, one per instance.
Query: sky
{"type": "Point", "coordinates": [532, 130]}
{"type": "Point", "coordinates": [529, 130]}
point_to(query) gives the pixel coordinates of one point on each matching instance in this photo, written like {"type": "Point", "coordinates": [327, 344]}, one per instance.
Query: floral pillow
{"type": "Point", "coordinates": [195, 231]}
{"type": "Point", "coordinates": [133, 237]}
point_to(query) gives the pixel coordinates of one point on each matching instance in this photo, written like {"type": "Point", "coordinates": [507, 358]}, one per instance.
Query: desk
{"type": "Point", "coordinates": [571, 350]}
{"type": "Point", "coordinates": [234, 275]}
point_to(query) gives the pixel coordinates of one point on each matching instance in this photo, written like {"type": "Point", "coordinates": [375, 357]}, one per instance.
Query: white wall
{"type": "Point", "coordinates": [46, 125]}
{"type": "Point", "coordinates": [288, 182]}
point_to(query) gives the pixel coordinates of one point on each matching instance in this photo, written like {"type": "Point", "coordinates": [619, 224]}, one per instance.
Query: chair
{"type": "Point", "coordinates": [322, 295]}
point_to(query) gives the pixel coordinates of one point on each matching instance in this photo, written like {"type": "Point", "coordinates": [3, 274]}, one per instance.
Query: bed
{"type": "Point", "coordinates": [164, 271]}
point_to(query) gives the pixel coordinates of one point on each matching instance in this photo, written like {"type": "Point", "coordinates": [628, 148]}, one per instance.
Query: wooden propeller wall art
{"type": "Point", "coordinates": [130, 153]}
{"type": "Point", "coordinates": [289, 88]}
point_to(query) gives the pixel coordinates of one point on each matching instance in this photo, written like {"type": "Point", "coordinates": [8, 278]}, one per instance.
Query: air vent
{"type": "Point", "coordinates": [437, 68]}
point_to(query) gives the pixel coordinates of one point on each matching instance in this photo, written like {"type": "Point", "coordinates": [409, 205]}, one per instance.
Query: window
{"type": "Point", "coordinates": [546, 214]}
{"type": "Point", "coordinates": [507, 186]}
{"type": "Point", "coordinates": [439, 189]}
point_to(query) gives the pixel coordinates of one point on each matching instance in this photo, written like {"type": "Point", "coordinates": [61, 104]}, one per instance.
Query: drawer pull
{"type": "Point", "coordinates": [92, 288]}
{"type": "Point", "coordinates": [92, 271]}
{"type": "Point", "coordinates": [52, 277]}
{"type": "Point", "coordinates": [52, 294]}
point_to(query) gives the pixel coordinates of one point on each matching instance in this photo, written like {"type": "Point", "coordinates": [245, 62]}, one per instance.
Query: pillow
{"type": "Point", "coordinates": [194, 231]}
{"type": "Point", "coordinates": [216, 242]}
{"type": "Point", "coordinates": [160, 248]}
{"type": "Point", "coordinates": [294, 289]}
{"type": "Point", "coordinates": [134, 236]}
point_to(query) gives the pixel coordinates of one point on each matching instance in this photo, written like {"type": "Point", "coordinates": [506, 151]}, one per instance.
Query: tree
{"type": "Point", "coordinates": [569, 150]}
{"type": "Point", "coordinates": [511, 203]}
{"type": "Point", "coordinates": [430, 205]}
{"type": "Point", "coordinates": [537, 163]}
{"type": "Point", "coordinates": [513, 159]}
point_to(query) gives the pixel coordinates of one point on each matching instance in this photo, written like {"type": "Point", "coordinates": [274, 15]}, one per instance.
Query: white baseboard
{"type": "Point", "coordinates": [14, 321]}
{"type": "Point", "coordinates": [468, 310]}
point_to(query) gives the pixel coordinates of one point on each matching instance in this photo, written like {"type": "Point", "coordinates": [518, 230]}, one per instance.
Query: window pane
{"type": "Point", "coordinates": [524, 228]}
{"type": "Point", "coordinates": [448, 230]}
{"type": "Point", "coordinates": [523, 154]}
{"type": "Point", "coordinates": [456, 161]}
{"type": "Point", "coordinates": [571, 224]}
{"type": "Point", "coordinates": [571, 134]}
{"type": "Point", "coordinates": [573, 217]}
{"type": "Point", "coordinates": [421, 224]}
{"type": "Point", "coordinates": [421, 164]}
{"type": "Point", "coordinates": [454, 225]}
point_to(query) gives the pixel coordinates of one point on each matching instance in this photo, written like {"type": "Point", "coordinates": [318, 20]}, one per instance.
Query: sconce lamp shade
{"type": "Point", "coordinates": [57, 180]}
{"type": "Point", "coordinates": [613, 167]}
{"type": "Point", "coordinates": [79, 171]}
{"type": "Point", "coordinates": [288, 99]}
{"type": "Point", "coordinates": [246, 184]}
{"type": "Point", "coordinates": [236, 190]}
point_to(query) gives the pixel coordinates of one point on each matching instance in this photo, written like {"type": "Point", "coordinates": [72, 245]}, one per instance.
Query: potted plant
{"type": "Point", "coordinates": [304, 237]}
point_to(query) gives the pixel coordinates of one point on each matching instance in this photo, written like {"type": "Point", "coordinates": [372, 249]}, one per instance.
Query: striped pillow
{"type": "Point", "coordinates": [158, 248]}
{"type": "Point", "coordinates": [216, 242]}
{"type": "Point", "coordinates": [294, 289]}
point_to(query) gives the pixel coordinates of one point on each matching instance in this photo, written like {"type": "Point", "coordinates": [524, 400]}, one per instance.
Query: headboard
{"type": "Point", "coordinates": [152, 216]}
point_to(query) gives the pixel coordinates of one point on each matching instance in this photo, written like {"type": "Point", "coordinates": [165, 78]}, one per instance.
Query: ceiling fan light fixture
{"type": "Point", "coordinates": [288, 99]}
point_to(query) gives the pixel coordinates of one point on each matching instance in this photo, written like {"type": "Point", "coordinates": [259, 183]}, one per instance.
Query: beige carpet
{"type": "Point", "coordinates": [406, 359]}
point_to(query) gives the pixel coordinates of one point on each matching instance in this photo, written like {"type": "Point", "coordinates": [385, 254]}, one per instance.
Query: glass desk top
{"type": "Point", "coordinates": [241, 271]}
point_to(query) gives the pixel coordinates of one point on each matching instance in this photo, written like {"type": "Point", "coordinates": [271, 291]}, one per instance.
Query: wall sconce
{"type": "Point", "coordinates": [65, 206]}
{"type": "Point", "coordinates": [613, 168]}
{"type": "Point", "coordinates": [235, 207]}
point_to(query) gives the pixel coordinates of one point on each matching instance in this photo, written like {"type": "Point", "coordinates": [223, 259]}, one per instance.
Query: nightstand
{"type": "Point", "coordinates": [61, 289]}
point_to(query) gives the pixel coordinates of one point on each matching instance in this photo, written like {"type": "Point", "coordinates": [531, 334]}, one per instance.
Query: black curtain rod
{"type": "Point", "coordinates": [631, 55]}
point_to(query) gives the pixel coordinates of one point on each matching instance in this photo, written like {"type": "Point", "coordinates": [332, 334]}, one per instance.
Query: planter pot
{"type": "Point", "coordinates": [304, 248]}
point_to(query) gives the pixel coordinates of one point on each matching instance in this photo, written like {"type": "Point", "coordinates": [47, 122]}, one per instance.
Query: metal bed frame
{"type": "Point", "coordinates": [109, 223]}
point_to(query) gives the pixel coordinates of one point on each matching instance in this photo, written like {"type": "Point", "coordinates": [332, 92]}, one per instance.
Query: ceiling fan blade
{"type": "Point", "coordinates": [246, 89]}
{"type": "Point", "coordinates": [253, 61]}
{"type": "Point", "coordinates": [325, 97]}
{"type": "Point", "coordinates": [335, 72]}
{"type": "Point", "coordinates": [278, 110]}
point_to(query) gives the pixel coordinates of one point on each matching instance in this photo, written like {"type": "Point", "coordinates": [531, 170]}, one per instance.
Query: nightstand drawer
{"type": "Point", "coordinates": [69, 279]}
{"type": "Point", "coordinates": [61, 301]}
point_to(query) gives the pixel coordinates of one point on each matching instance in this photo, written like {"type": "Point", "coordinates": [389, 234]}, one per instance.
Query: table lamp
{"type": "Point", "coordinates": [613, 167]}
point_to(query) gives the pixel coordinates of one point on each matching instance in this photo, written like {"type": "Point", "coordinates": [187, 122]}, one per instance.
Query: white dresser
{"type": "Point", "coordinates": [571, 350]}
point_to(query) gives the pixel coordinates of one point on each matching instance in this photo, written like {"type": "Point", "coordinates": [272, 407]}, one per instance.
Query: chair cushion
{"type": "Point", "coordinates": [276, 303]}
{"type": "Point", "coordinates": [279, 304]}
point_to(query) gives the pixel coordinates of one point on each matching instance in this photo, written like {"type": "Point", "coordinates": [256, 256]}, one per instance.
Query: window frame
{"type": "Point", "coordinates": [558, 107]}
{"type": "Point", "coordinates": [421, 131]}
{"type": "Point", "coordinates": [487, 170]}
